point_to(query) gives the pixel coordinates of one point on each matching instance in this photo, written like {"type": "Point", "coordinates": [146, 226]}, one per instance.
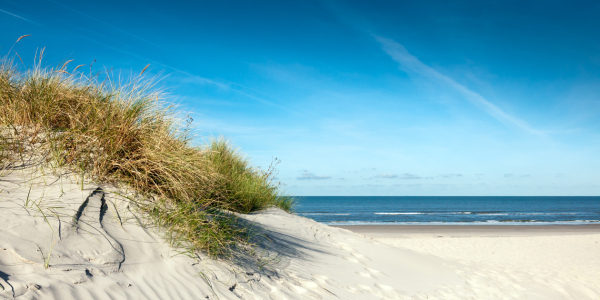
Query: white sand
{"type": "Point", "coordinates": [94, 256]}
{"type": "Point", "coordinates": [545, 264]}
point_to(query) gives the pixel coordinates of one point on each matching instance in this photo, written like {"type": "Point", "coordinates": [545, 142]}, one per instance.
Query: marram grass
{"type": "Point", "coordinates": [124, 133]}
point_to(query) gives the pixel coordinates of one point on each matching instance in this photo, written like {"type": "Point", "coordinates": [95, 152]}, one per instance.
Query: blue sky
{"type": "Point", "coordinates": [360, 97]}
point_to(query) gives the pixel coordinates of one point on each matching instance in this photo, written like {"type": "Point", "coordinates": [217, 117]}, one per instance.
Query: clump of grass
{"type": "Point", "coordinates": [125, 133]}
{"type": "Point", "coordinates": [245, 188]}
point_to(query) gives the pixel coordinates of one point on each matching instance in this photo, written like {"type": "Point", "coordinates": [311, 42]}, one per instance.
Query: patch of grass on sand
{"type": "Point", "coordinates": [124, 133]}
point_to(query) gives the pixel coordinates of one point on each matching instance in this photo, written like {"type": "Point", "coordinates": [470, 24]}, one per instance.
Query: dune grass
{"type": "Point", "coordinates": [127, 134]}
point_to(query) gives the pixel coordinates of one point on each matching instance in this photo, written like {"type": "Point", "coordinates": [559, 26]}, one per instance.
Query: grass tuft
{"type": "Point", "coordinates": [241, 187]}
{"type": "Point", "coordinates": [124, 133]}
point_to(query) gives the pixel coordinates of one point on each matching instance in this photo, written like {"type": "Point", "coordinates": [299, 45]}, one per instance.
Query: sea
{"type": "Point", "coordinates": [450, 210]}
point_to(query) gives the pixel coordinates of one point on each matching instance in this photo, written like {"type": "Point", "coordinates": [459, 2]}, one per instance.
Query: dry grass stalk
{"type": "Point", "coordinates": [125, 133]}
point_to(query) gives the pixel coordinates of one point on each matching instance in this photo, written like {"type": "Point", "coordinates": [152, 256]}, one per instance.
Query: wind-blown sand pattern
{"type": "Point", "coordinates": [61, 241]}
{"type": "Point", "coordinates": [546, 265]}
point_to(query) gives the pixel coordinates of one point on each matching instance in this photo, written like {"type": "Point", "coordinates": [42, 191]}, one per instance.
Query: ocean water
{"type": "Point", "coordinates": [451, 210]}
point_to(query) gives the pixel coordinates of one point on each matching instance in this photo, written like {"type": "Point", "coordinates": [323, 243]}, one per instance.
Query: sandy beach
{"type": "Point", "coordinates": [60, 239]}
{"type": "Point", "coordinates": [403, 231]}
{"type": "Point", "coordinates": [508, 261]}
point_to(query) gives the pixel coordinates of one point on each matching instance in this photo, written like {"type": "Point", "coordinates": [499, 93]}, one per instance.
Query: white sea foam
{"type": "Point", "coordinates": [397, 213]}
{"type": "Point", "coordinates": [548, 213]}
{"type": "Point", "coordinates": [492, 214]}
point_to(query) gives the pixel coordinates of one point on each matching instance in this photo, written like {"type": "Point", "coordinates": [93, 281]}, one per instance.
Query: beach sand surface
{"type": "Point", "coordinates": [508, 261]}
{"type": "Point", "coordinates": [61, 239]}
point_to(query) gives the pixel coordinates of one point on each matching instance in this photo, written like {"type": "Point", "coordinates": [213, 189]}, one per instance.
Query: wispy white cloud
{"type": "Point", "coordinates": [17, 16]}
{"type": "Point", "coordinates": [409, 176]}
{"type": "Point", "coordinates": [196, 78]}
{"type": "Point", "coordinates": [402, 176]}
{"type": "Point", "coordinates": [386, 175]}
{"type": "Point", "coordinates": [451, 175]}
{"type": "Point", "coordinates": [412, 63]}
{"type": "Point", "coordinates": [229, 86]}
{"type": "Point", "coordinates": [310, 176]}
{"type": "Point", "coordinates": [108, 25]}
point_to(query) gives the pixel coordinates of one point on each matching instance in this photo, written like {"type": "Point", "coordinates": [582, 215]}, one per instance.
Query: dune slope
{"type": "Point", "coordinates": [60, 239]}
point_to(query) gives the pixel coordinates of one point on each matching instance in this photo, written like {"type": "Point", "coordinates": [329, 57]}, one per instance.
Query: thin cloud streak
{"type": "Point", "coordinates": [199, 78]}
{"type": "Point", "coordinates": [404, 58]}
{"type": "Point", "coordinates": [407, 60]}
{"type": "Point", "coordinates": [310, 176]}
{"type": "Point", "coordinates": [17, 16]}
{"type": "Point", "coordinates": [410, 176]}
{"type": "Point", "coordinates": [111, 26]}
{"type": "Point", "coordinates": [386, 175]}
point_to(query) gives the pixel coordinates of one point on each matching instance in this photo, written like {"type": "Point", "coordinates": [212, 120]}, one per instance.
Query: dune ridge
{"type": "Point", "coordinates": [88, 250]}
{"type": "Point", "coordinates": [97, 246]}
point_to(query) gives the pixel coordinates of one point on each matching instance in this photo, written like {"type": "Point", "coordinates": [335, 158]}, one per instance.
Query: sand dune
{"type": "Point", "coordinates": [62, 240]}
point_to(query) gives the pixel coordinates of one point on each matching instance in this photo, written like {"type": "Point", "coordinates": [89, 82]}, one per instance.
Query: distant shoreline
{"type": "Point", "coordinates": [471, 230]}
{"type": "Point", "coordinates": [451, 211]}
